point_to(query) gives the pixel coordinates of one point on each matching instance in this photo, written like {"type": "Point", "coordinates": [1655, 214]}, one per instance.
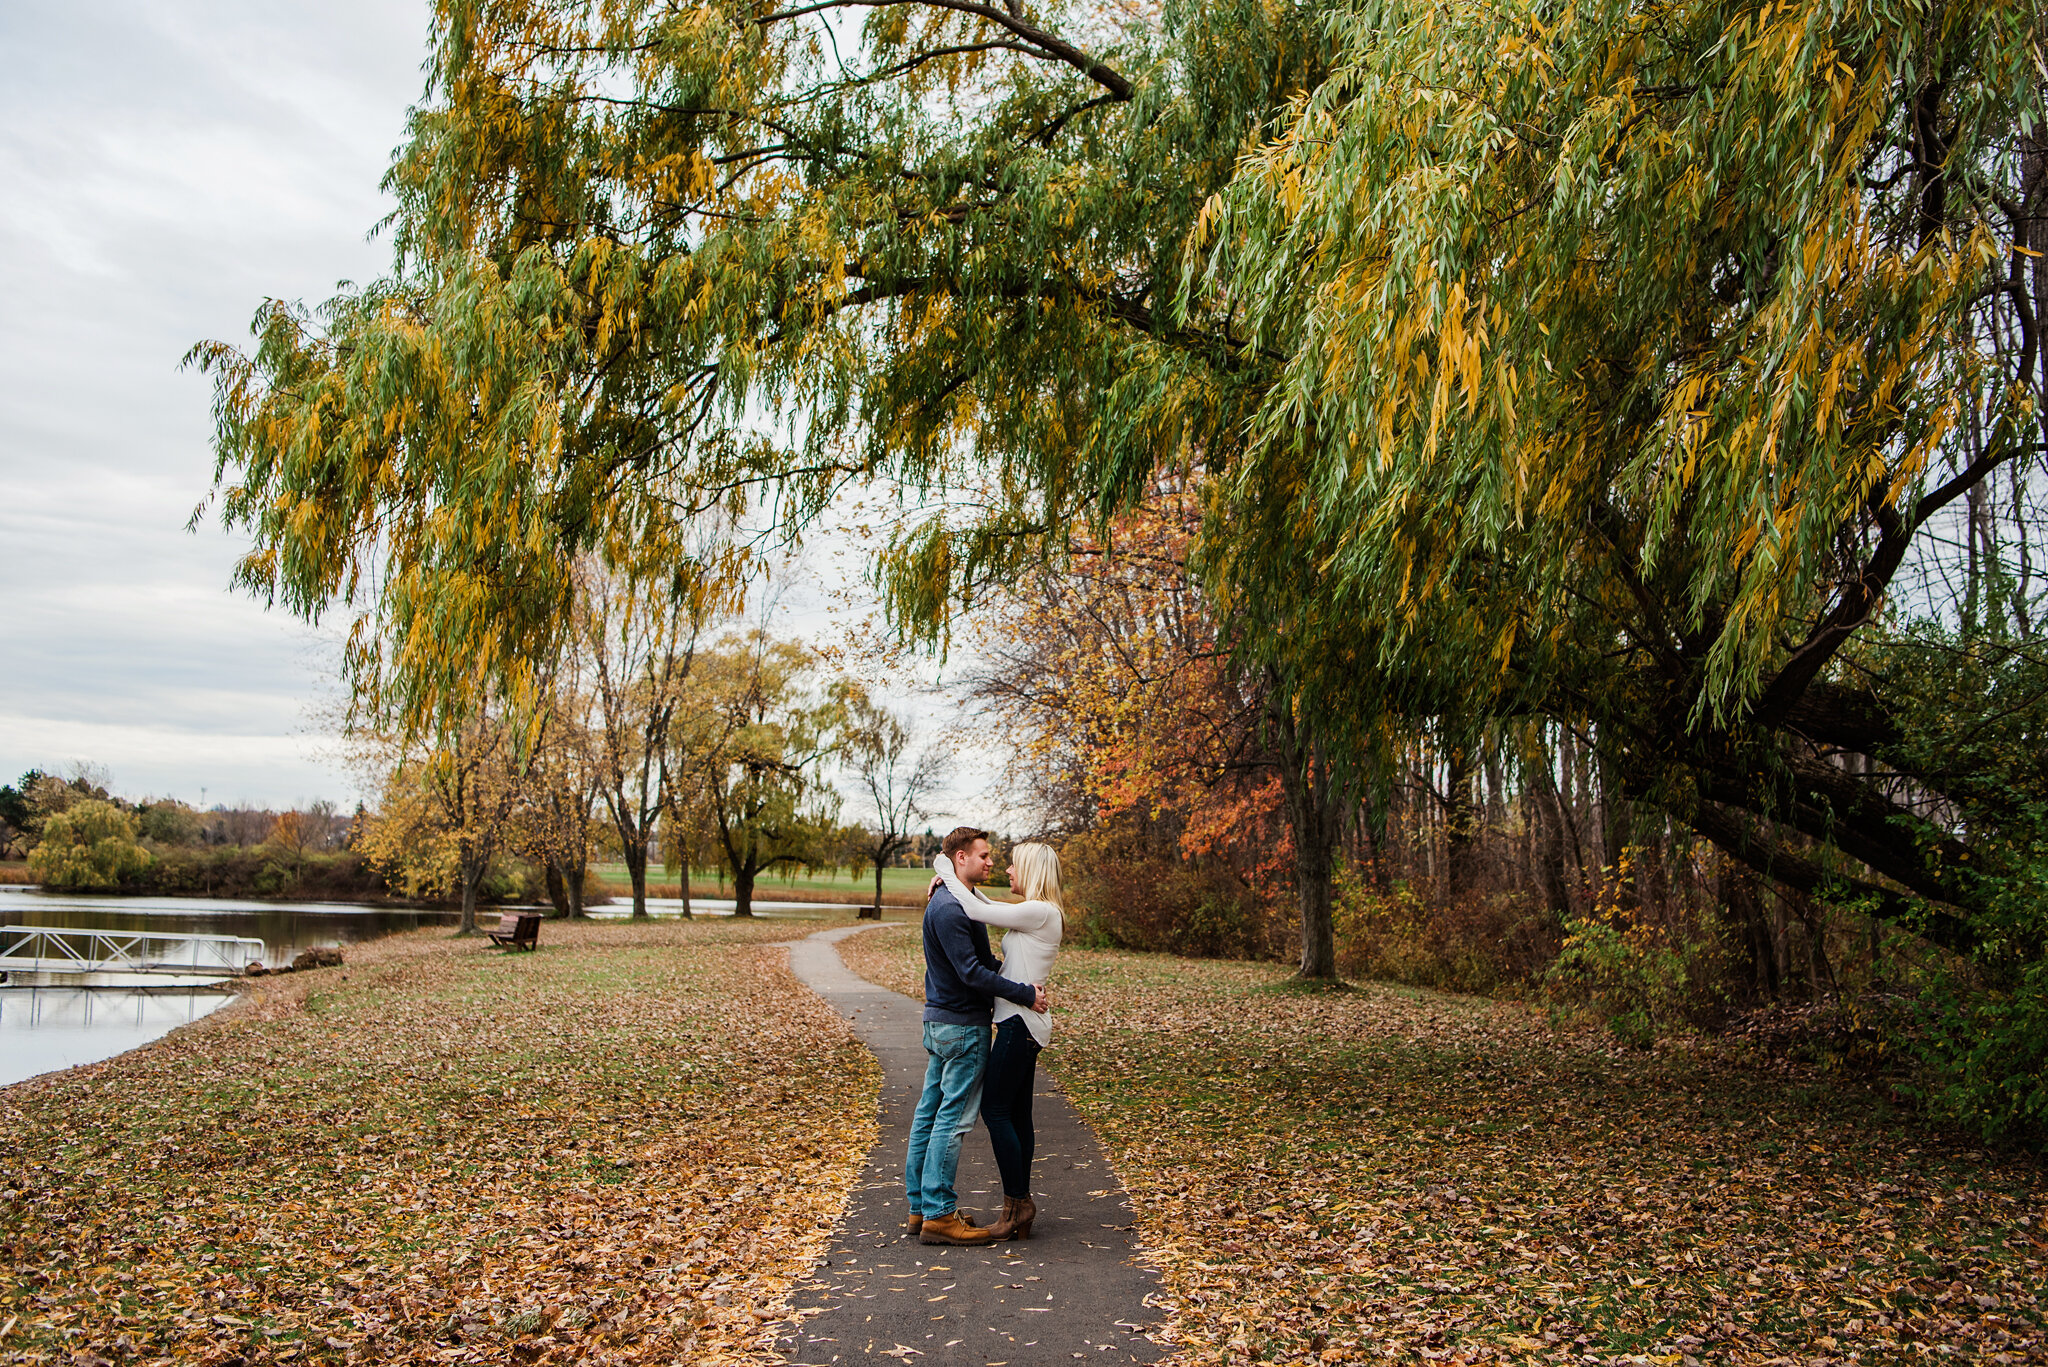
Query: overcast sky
{"type": "Point", "coordinates": [169, 166]}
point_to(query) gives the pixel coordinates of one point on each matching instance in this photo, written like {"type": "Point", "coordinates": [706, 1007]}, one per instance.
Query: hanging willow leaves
{"type": "Point", "coordinates": [1630, 347]}
{"type": "Point", "coordinates": [1603, 362]}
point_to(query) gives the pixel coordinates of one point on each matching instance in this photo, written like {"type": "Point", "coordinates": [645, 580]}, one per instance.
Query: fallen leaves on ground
{"type": "Point", "coordinates": [1387, 1173]}
{"type": "Point", "coordinates": [623, 1148]}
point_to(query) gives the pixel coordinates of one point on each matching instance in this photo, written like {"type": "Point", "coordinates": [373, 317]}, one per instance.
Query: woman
{"type": "Point", "coordinates": [1034, 926]}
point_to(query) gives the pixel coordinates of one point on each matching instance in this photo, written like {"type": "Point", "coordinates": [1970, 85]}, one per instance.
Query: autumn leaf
{"type": "Point", "coordinates": [621, 1148]}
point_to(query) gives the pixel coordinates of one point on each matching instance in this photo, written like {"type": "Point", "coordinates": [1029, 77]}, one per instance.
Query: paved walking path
{"type": "Point", "coordinates": [1073, 1290]}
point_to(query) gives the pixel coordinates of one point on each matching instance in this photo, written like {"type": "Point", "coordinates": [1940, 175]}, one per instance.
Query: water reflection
{"type": "Point", "coordinates": [43, 1029]}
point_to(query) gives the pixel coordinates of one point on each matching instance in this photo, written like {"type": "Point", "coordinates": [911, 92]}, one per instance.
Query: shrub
{"type": "Point", "coordinates": [1637, 978]}
{"type": "Point", "coordinates": [1985, 1054]}
{"type": "Point", "coordinates": [515, 880]}
{"type": "Point", "coordinates": [274, 879]}
{"type": "Point", "coordinates": [258, 872]}
{"type": "Point", "coordinates": [91, 844]}
{"type": "Point", "coordinates": [1970, 707]}
{"type": "Point", "coordinates": [169, 822]}
{"type": "Point", "coordinates": [1126, 900]}
{"type": "Point", "coordinates": [1480, 943]}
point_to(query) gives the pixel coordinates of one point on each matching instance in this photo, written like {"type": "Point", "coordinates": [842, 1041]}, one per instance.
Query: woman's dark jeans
{"type": "Point", "coordinates": [1006, 1103]}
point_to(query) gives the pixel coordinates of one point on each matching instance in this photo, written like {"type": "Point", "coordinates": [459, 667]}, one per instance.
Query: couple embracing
{"type": "Point", "coordinates": [966, 992]}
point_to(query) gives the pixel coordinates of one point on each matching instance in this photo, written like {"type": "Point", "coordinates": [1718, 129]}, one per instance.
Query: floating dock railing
{"type": "Point", "coordinates": [55, 949]}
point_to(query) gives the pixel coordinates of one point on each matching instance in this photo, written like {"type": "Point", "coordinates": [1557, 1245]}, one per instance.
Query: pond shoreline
{"type": "Point", "coordinates": [53, 1020]}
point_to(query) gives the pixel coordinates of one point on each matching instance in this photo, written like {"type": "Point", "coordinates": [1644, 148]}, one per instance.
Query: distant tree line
{"type": "Point", "coordinates": [75, 832]}
{"type": "Point", "coordinates": [659, 749]}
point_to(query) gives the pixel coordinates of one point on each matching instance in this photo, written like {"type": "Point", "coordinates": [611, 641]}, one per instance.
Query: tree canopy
{"type": "Point", "coordinates": [758, 727]}
{"type": "Point", "coordinates": [90, 844]}
{"type": "Point", "coordinates": [1607, 363]}
{"type": "Point", "coordinates": [658, 264]}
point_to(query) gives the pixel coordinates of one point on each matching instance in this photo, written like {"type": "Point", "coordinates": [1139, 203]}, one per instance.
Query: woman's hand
{"type": "Point", "coordinates": [933, 891]}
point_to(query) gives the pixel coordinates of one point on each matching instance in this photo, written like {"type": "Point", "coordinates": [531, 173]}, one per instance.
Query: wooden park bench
{"type": "Point", "coordinates": [517, 930]}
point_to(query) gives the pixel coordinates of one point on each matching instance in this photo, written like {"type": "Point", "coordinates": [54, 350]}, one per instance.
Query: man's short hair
{"type": "Point", "coordinates": [959, 838]}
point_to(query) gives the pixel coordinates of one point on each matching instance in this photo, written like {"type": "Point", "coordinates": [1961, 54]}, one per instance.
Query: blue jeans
{"type": "Point", "coordinates": [956, 1058]}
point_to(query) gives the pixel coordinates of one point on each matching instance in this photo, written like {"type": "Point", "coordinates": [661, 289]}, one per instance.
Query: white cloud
{"type": "Point", "coordinates": [157, 761]}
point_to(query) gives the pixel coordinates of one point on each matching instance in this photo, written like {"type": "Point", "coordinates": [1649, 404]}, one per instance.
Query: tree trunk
{"type": "Point", "coordinates": [574, 878]}
{"type": "Point", "coordinates": [636, 869]}
{"type": "Point", "coordinates": [1738, 889]}
{"type": "Point", "coordinates": [683, 883]}
{"type": "Point", "coordinates": [1305, 780]}
{"type": "Point", "coordinates": [743, 892]}
{"type": "Point", "coordinates": [1550, 820]}
{"type": "Point", "coordinates": [875, 913]}
{"type": "Point", "coordinates": [1312, 892]}
{"type": "Point", "coordinates": [472, 875]}
{"type": "Point", "coordinates": [1379, 858]}
{"type": "Point", "coordinates": [558, 887]}
{"type": "Point", "coordinates": [1461, 825]}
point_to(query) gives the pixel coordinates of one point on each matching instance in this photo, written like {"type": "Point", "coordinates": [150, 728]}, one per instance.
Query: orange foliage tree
{"type": "Point", "coordinates": [1141, 738]}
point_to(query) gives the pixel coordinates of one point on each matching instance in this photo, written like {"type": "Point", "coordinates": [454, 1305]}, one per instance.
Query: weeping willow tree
{"type": "Point", "coordinates": [1597, 361]}
{"type": "Point", "coordinates": [1631, 352]}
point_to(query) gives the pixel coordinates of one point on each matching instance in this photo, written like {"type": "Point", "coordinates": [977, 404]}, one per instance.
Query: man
{"type": "Point", "coordinates": [960, 988]}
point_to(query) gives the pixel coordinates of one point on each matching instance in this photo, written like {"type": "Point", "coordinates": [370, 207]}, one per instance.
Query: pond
{"type": "Point", "coordinates": [50, 1021]}
{"type": "Point", "coordinates": [286, 928]}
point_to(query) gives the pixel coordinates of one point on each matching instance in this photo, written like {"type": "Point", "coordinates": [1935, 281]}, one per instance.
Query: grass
{"type": "Point", "coordinates": [903, 887]}
{"type": "Point", "coordinates": [622, 1148]}
{"type": "Point", "coordinates": [1389, 1173]}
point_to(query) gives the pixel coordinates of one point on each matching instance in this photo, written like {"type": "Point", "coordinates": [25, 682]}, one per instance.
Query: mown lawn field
{"type": "Point", "coordinates": [618, 1149]}
{"type": "Point", "coordinates": [1386, 1173]}
{"type": "Point", "coordinates": [906, 882]}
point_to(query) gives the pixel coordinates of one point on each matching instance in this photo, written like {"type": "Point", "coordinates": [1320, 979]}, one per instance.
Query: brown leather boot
{"type": "Point", "coordinates": [1007, 1221]}
{"type": "Point", "coordinates": [956, 1229]}
{"type": "Point", "coordinates": [1022, 1212]}
{"type": "Point", "coordinates": [913, 1224]}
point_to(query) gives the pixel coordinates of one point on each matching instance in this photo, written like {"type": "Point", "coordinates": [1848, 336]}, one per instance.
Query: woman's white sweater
{"type": "Point", "coordinates": [1030, 944]}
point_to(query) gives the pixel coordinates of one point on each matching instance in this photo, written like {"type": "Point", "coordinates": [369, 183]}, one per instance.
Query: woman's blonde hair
{"type": "Point", "coordinates": [1035, 873]}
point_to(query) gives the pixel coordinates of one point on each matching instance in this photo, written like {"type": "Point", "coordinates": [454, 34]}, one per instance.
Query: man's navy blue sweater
{"type": "Point", "coordinates": [960, 978]}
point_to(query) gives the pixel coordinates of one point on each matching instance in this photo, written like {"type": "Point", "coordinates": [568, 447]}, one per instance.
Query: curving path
{"type": "Point", "coordinates": [1074, 1290]}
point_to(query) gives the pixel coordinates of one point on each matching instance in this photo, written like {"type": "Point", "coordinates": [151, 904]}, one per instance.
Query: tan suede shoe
{"type": "Point", "coordinates": [955, 1229]}
{"type": "Point", "coordinates": [1018, 1213]}
{"type": "Point", "coordinates": [913, 1224]}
